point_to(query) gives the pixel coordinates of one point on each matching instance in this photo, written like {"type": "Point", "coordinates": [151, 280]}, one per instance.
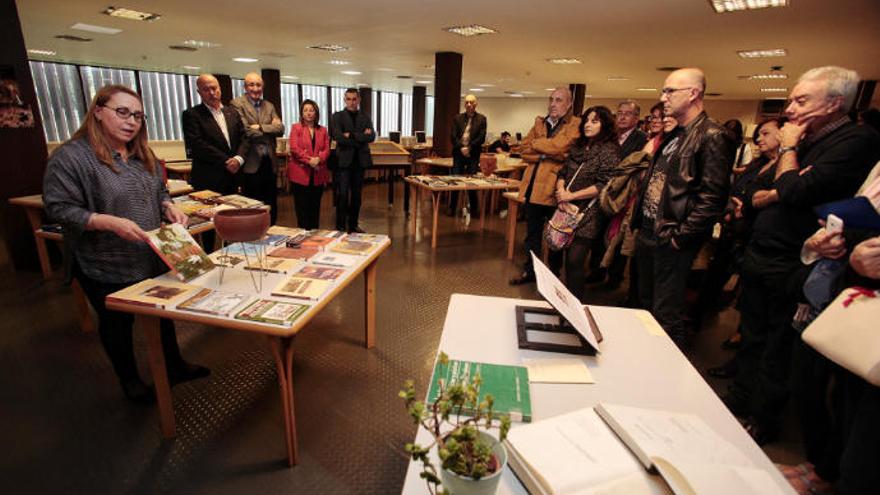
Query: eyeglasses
{"type": "Point", "coordinates": [626, 113]}
{"type": "Point", "coordinates": [124, 113]}
{"type": "Point", "coordinates": [669, 91]}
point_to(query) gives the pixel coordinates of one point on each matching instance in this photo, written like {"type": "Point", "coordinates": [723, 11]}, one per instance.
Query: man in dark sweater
{"type": "Point", "coordinates": [353, 132]}
{"type": "Point", "coordinates": [823, 157]}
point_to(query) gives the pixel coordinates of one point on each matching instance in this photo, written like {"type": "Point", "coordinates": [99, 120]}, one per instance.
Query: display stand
{"type": "Point", "coordinates": [530, 319]}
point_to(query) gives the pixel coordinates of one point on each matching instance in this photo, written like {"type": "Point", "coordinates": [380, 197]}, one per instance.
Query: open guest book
{"type": "Point", "coordinates": [177, 248]}
{"type": "Point", "coordinates": [610, 449]}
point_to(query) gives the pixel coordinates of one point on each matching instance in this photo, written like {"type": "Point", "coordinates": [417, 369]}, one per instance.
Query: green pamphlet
{"type": "Point", "coordinates": [508, 385]}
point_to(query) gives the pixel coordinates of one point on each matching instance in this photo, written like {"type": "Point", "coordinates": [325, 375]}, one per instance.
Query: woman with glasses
{"type": "Point", "coordinates": [588, 168]}
{"type": "Point", "coordinates": [105, 188]}
{"type": "Point", "coordinates": [307, 169]}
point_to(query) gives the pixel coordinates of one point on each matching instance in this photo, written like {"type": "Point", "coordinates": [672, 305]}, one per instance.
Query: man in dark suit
{"type": "Point", "coordinates": [212, 135]}
{"type": "Point", "coordinates": [468, 136]}
{"type": "Point", "coordinates": [629, 137]}
{"type": "Point", "coordinates": [262, 125]}
{"type": "Point", "coordinates": [353, 132]}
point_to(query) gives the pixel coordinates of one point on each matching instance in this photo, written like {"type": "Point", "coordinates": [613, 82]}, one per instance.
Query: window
{"type": "Point", "coordinates": [60, 98]}
{"type": "Point", "coordinates": [165, 99]}
{"type": "Point", "coordinates": [194, 98]}
{"type": "Point", "coordinates": [318, 94]}
{"type": "Point", "coordinates": [237, 87]}
{"type": "Point", "coordinates": [406, 115]}
{"type": "Point", "coordinates": [95, 78]}
{"type": "Point", "coordinates": [429, 115]}
{"type": "Point", "coordinates": [390, 116]}
{"type": "Point", "coordinates": [337, 99]}
{"type": "Point", "coordinates": [289, 104]}
{"type": "Point", "coordinates": [374, 112]}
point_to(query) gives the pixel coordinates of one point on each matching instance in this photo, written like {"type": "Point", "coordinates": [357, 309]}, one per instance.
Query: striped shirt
{"type": "Point", "coordinates": [76, 185]}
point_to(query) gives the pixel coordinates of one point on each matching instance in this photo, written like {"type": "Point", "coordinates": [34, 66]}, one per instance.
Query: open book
{"type": "Point", "coordinates": [578, 453]}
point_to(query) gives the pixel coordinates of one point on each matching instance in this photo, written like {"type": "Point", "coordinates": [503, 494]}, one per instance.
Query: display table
{"type": "Point", "coordinates": [280, 337]}
{"type": "Point", "coordinates": [392, 157]}
{"type": "Point", "coordinates": [181, 168]}
{"type": "Point", "coordinates": [636, 367]}
{"type": "Point", "coordinates": [416, 186]}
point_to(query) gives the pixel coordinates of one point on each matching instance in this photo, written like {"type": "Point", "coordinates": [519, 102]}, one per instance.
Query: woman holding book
{"type": "Point", "coordinates": [307, 169]}
{"type": "Point", "coordinates": [588, 168]}
{"type": "Point", "coordinates": [105, 188]}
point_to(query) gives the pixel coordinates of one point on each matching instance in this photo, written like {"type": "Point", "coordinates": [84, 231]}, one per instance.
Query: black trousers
{"type": "Point", "coordinates": [767, 305]}
{"type": "Point", "coordinates": [261, 185]}
{"type": "Point", "coordinates": [536, 217]}
{"type": "Point", "coordinates": [349, 182]}
{"type": "Point", "coordinates": [307, 204]}
{"type": "Point", "coordinates": [663, 272]}
{"type": "Point", "coordinates": [575, 256]}
{"type": "Point", "coordinates": [465, 166]}
{"type": "Point", "coordinates": [861, 448]}
{"type": "Point", "coordinates": [115, 330]}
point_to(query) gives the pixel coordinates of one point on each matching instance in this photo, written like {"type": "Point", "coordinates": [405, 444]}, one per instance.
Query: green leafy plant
{"type": "Point", "coordinates": [459, 447]}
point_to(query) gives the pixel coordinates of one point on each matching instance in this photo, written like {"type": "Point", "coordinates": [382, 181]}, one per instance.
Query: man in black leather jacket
{"type": "Point", "coordinates": [683, 195]}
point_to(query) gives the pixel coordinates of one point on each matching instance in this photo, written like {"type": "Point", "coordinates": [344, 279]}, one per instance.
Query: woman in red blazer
{"type": "Point", "coordinates": [307, 168]}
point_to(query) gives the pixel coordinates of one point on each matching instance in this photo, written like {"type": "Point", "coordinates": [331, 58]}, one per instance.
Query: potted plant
{"type": "Point", "coordinates": [471, 459]}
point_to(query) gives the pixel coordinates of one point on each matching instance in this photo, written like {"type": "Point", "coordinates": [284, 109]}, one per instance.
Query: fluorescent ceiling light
{"type": "Point", "coordinates": [646, 89]}
{"type": "Point", "coordinates": [516, 95]}
{"type": "Point", "coordinates": [527, 92]}
{"type": "Point", "coordinates": [246, 60]}
{"type": "Point", "coordinates": [722, 6]}
{"type": "Point", "coordinates": [476, 90]}
{"type": "Point", "coordinates": [775, 75]}
{"type": "Point", "coordinates": [331, 47]}
{"type": "Point", "coordinates": [385, 69]}
{"type": "Point", "coordinates": [484, 85]}
{"type": "Point", "coordinates": [201, 44]}
{"type": "Point", "coordinates": [618, 78]}
{"type": "Point", "coordinates": [470, 30]}
{"type": "Point", "coordinates": [564, 61]}
{"type": "Point", "coordinates": [191, 67]}
{"type": "Point", "coordinates": [36, 51]}
{"type": "Point", "coordinates": [774, 90]}
{"type": "Point", "coordinates": [424, 82]}
{"type": "Point", "coordinates": [292, 78]}
{"type": "Point", "coordinates": [130, 14]}
{"type": "Point", "coordinates": [338, 62]}
{"type": "Point", "coordinates": [95, 29]}
{"type": "Point", "coordinates": [351, 72]}
{"type": "Point", "coordinates": [549, 89]}
{"type": "Point", "coordinates": [773, 52]}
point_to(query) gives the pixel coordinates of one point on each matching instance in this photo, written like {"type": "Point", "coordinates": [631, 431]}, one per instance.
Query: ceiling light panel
{"type": "Point", "coordinates": [133, 15]}
{"type": "Point", "coordinates": [36, 51]}
{"type": "Point", "coordinates": [351, 72]}
{"type": "Point", "coordinates": [764, 77]}
{"type": "Point", "coordinates": [95, 29]}
{"type": "Point", "coordinates": [646, 89]}
{"type": "Point", "coordinates": [190, 67]}
{"type": "Point", "coordinates": [246, 60]}
{"type": "Point", "coordinates": [338, 62]}
{"type": "Point", "coordinates": [774, 90]}
{"type": "Point", "coordinates": [767, 53]}
{"type": "Point", "coordinates": [201, 44]}
{"type": "Point", "coordinates": [331, 47]}
{"type": "Point", "coordinates": [618, 78]}
{"type": "Point", "coordinates": [722, 6]}
{"type": "Point", "coordinates": [470, 30]}
{"type": "Point", "coordinates": [564, 61]}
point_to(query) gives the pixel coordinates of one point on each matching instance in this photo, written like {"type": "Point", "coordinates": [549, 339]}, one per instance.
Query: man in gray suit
{"type": "Point", "coordinates": [353, 132]}
{"type": "Point", "coordinates": [262, 125]}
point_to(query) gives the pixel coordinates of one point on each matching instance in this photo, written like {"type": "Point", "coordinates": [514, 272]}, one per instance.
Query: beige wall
{"type": "Point", "coordinates": [518, 114]}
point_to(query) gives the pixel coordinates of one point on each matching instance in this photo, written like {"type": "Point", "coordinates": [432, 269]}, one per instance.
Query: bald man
{"type": "Point", "coordinates": [468, 136]}
{"type": "Point", "coordinates": [262, 126]}
{"type": "Point", "coordinates": [684, 193]}
{"type": "Point", "coordinates": [213, 137]}
{"type": "Point", "coordinates": [544, 149]}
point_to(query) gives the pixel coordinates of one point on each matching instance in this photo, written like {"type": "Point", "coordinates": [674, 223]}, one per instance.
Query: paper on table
{"type": "Point", "coordinates": [558, 370]}
{"type": "Point", "coordinates": [650, 323]}
{"type": "Point", "coordinates": [563, 301]}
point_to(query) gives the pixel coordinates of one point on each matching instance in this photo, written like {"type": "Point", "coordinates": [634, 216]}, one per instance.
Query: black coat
{"type": "Point", "coordinates": [357, 144]}
{"type": "Point", "coordinates": [635, 142]}
{"type": "Point", "coordinates": [475, 141]}
{"type": "Point", "coordinates": [208, 149]}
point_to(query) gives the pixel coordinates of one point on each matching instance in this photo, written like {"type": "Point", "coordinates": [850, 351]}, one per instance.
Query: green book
{"type": "Point", "coordinates": [508, 385]}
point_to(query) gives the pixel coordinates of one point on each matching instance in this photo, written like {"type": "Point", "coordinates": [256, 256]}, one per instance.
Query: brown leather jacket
{"type": "Point", "coordinates": [554, 150]}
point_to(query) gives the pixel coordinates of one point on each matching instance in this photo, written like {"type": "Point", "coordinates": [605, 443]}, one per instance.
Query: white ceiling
{"type": "Point", "coordinates": [629, 38]}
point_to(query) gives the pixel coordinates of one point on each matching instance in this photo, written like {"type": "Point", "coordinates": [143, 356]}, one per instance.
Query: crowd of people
{"type": "Point", "coordinates": [648, 199]}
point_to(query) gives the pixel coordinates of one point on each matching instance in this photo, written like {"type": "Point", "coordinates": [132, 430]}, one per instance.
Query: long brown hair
{"type": "Point", "coordinates": [92, 131]}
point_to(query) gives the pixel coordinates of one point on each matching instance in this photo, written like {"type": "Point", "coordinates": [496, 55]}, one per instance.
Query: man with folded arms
{"type": "Point", "coordinates": [544, 148]}
{"type": "Point", "coordinates": [684, 193]}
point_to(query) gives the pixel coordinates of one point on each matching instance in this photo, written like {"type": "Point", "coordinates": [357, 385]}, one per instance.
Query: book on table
{"type": "Point", "coordinates": [374, 238]}
{"type": "Point", "coordinates": [293, 253]}
{"type": "Point", "coordinates": [154, 292]}
{"type": "Point", "coordinates": [316, 242]}
{"type": "Point", "coordinates": [226, 258]}
{"type": "Point", "coordinates": [288, 231]}
{"type": "Point", "coordinates": [333, 234]}
{"type": "Point", "coordinates": [320, 272]}
{"type": "Point", "coordinates": [214, 302]}
{"type": "Point", "coordinates": [508, 385]}
{"type": "Point", "coordinates": [273, 312]}
{"type": "Point", "coordinates": [336, 259]}
{"type": "Point", "coordinates": [239, 201]}
{"type": "Point", "coordinates": [353, 247]}
{"type": "Point", "coordinates": [302, 288]}
{"type": "Point", "coordinates": [275, 265]}
{"type": "Point", "coordinates": [205, 195]}
{"type": "Point", "coordinates": [177, 248]}
{"type": "Point", "coordinates": [611, 449]}
{"type": "Point", "coordinates": [212, 210]}
{"type": "Point", "coordinates": [189, 206]}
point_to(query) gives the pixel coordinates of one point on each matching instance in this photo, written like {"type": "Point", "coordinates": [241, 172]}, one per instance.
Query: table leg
{"type": "Point", "coordinates": [512, 207]}
{"type": "Point", "coordinates": [407, 171]}
{"type": "Point", "coordinates": [370, 304]}
{"type": "Point", "coordinates": [390, 178]}
{"type": "Point", "coordinates": [150, 326]}
{"type": "Point", "coordinates": [35, 218]}
{"type": "Point", "coordinates": [282, 350]}
{"type": "Point", "coordinates": [435, 197]}
{"type": "Point", "coordinates": [414, 214]}
{"type": "Point", "coordinates": [482, 201]}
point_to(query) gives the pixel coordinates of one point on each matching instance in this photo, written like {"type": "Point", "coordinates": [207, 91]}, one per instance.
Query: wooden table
{"type": "Point", "coordinates": [638, 366]}
{"type": "Point", "coordinates": [391, 156]}
{"type": "Point", "coordinates": [513, 203]}
{"type": "Point", "coordinates": [181, 168]}
{"type": "Point", "coordinates": [280, 338]}
{"type": "Point", "coordinates": [425, 164]}
{"type": "Point", "coordinates": [436, 191]}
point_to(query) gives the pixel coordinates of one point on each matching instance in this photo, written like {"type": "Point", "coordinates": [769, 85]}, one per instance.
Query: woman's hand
{"type": "Point", "coordinates": [865, 258]}
{"type": "Point", "coordinates": [828, 245]}
{"type": "Point", "coordinates": [314, 161]}
{"type": "Point", "coordinates": [562, 195]}
{"type": "Point", "coordinates": [122, 227]}
{"type": "Point", "coordinates": [174, 214]}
